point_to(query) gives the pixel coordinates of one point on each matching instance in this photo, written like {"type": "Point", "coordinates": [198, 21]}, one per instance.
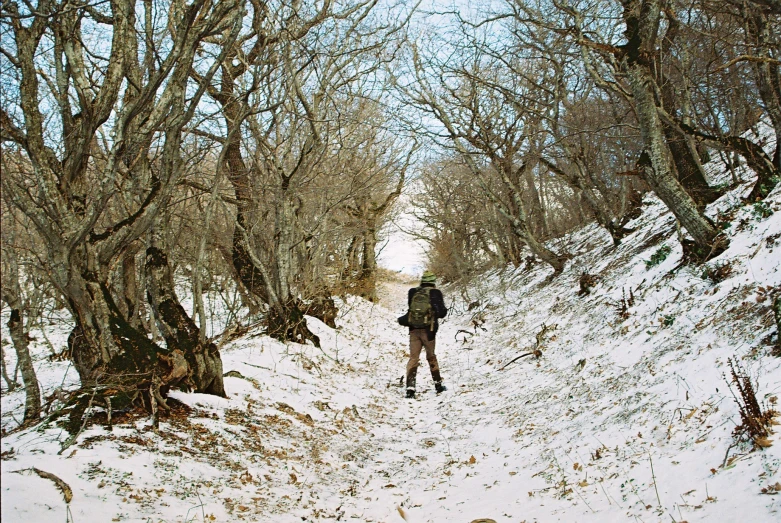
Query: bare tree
{"type": "Point", "coordinates": [118, 132]}
{"type": "Point", "coordinates": [376, 163]}
{"type": "Point", "coordinates": [628, 69]}
{"type": "Point", "coordinates": [281, 92]}
{"type": "Point", "coordinates": [464, 231]}
{"type": "Point", "coordinates": [733, 82]}
{"type": "Point", "coordinates": [591, 143]}
{"type": "Point", "coordinates": [491, 115]}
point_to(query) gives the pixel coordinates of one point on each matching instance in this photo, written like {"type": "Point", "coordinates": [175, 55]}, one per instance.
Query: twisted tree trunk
{"type": "Point", "coordinates": [238, 173]}
{"type": "Point", "coordinates": [556, 261]}
{"type": "Point", "coordinates": [688, 167]}
{"type": "Point", "coordinates": [270, 284]}
{"type": "Point", "coordinates": [107, 351]}
{"type": "Point", "coordinates": [204, 365]}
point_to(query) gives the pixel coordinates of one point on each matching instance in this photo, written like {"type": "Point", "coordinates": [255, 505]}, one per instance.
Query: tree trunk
{"type": "Point", "coordinates": [548, 256]}
{"type": "Point", "coordinates": [286, 319]}
{"type": "Point", "coordinates": [146, 315]}
{"type": "Point", "coordinates": [768, 74]}
{"type": "Point", "coordinates": [249, 275]}
{"type": "Point", "coordinates": [369, 251]}
{"type": "Point", "coordinates": [284, 229]}
{"type": "Point", "coordinates": [110, 354]}
{"type": "Point", "coordinates": [21, 339]}
{"type": "Point", "coordinates": [248, 300]}
{"type": "Point", "coordinates": [659, 174]}
{"type": "Point", "coordinates": [369, 269]}
{"type": "Point", "coordinates": [756, 158]}
{"type": "Point", "coordinates": [514, 245]}
{"type": "Point", "coordinates": [238, 174]}
{"type": "Point", "coordinates": [688, 167]}
{"type": "Point", "coordinates": [579, 183]}
{"type": "Point", "coordinates": [203, 362]}
{"type": "Point", "coordinates": [539, 225]}
{"type": "Point", "coordinates": [91, 341]}
{"type": "Point", "coordinates": [642, 18]}
{"type": "Point", "coordinates": [516, 214]}
{"type": "Point", "coordinates": [198, 308]}
{"type": "Point", "coordinates": [353, 253]}
{"type": "Point", "coordinates": [130, 291]}
{"type": "Point", "coordinates": [10, 382]}
{"type": "Point", "coordinates": [691, 175]}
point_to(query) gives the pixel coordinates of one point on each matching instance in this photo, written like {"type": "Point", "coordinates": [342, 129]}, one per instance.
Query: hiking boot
{"type": "Point", "coordinates": [411, 394]}
{"type": "Point", "coordinates": [440, 387]}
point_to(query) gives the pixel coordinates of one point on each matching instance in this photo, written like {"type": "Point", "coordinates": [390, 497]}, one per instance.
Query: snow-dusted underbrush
{"type": "Point", "coordinates": [629, 412]}
{"type": "Point", "coordinates": [625, 413]}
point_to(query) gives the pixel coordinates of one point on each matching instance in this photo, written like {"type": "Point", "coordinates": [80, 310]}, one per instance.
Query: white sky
{"type": "Point", "coordinates": [402, 252]}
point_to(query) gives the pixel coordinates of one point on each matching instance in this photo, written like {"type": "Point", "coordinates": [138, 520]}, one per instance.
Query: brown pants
{"type": "Point", "coordinates": [418, 339]}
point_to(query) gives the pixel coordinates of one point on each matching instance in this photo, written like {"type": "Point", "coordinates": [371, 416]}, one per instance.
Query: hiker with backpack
{"type": "Point", "coordinates": [426, 306]}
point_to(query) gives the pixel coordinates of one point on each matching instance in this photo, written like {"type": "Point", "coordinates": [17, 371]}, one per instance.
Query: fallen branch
{"type": "Point", "coordinates": [536, 353]}
{"type": "Point", "coordinates": [272, 370]}
{"type": "Point", "coordinates": [67, 493]}
{"type": "Point", "coordinates": [465, 332]}
{"type": "Point", "coordinates": [237, 374]}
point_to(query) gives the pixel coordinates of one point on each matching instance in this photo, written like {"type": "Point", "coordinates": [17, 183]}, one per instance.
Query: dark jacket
{"type": "Point", "coordinates": [437, 304]}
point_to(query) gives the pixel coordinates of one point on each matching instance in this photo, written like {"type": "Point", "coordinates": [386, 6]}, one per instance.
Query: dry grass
{"type": "Point", "coordinates": [755, 423]}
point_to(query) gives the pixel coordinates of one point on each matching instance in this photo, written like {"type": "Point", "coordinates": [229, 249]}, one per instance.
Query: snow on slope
{"type": "Point", "coordinates": [616, 409]}
{"type": "Point", "coordinates": [620, 419]}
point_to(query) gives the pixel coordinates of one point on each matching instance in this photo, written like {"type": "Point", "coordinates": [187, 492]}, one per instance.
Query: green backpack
{"type": "Point", "coordinates": [421, 315]}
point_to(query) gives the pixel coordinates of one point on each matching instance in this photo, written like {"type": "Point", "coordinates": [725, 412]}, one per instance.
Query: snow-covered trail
{"type": "Point", "coordinates": [437, 457]}
{"type": "Point", "coordinates": [413, 440]}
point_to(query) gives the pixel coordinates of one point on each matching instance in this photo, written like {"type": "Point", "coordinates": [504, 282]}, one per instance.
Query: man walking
{"type": "Point", "coordinates": [426, 306]}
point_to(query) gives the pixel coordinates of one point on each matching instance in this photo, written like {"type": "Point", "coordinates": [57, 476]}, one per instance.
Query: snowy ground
{"type": "Point", "coordinates": [621, 418]}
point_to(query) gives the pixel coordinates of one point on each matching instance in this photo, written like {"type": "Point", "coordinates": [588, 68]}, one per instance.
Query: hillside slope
{"type": "Point", "coordinates": [625, 416]}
